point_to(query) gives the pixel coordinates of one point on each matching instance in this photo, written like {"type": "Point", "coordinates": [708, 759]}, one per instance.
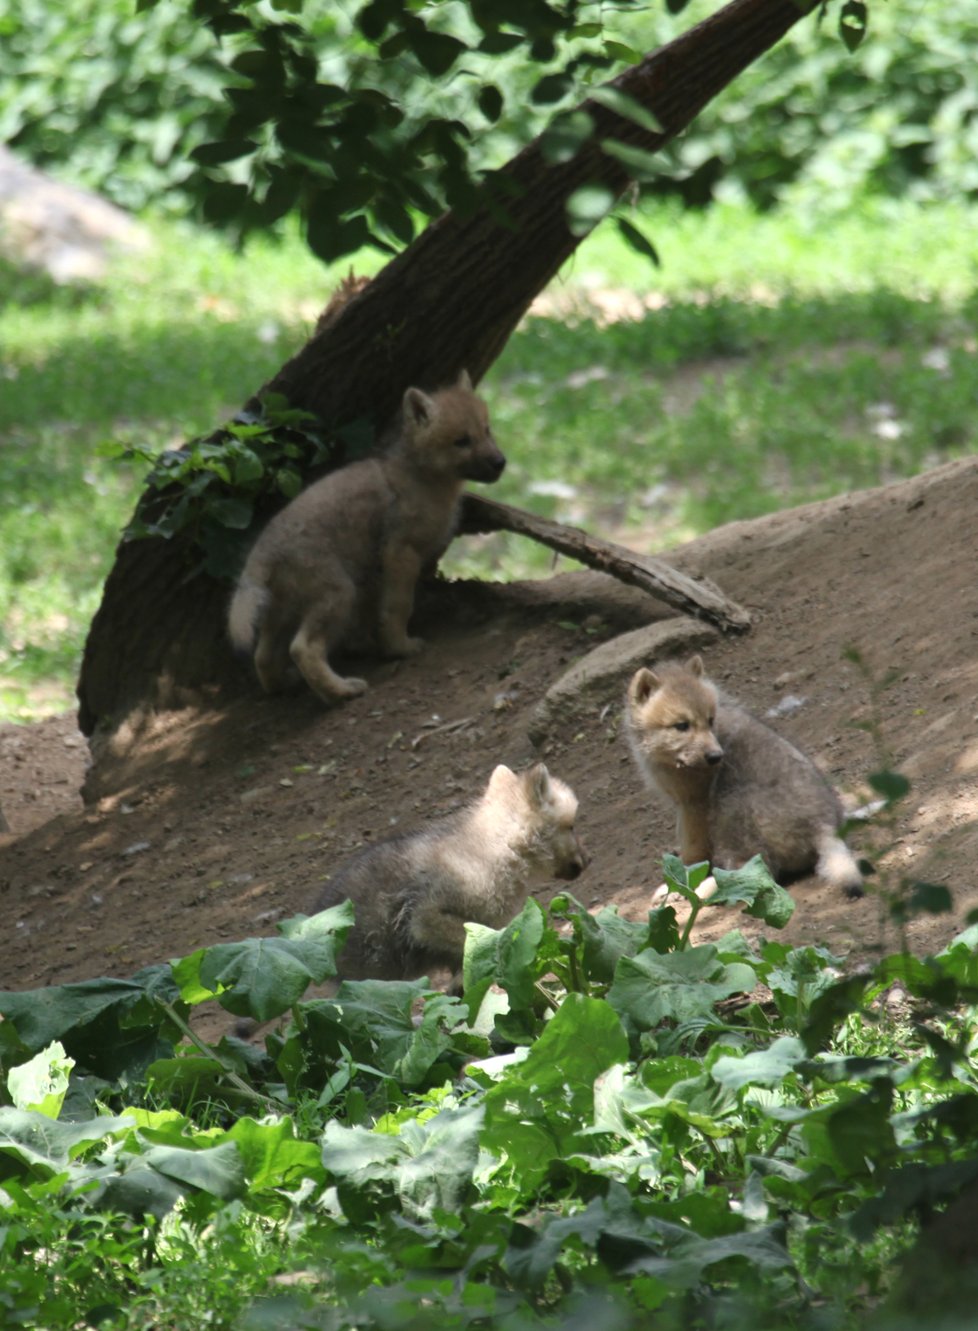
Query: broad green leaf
{"type": "Point", "coordinates": [41, 1083]}
{"type": "Point", "coordinates": [516, 949]}
{"type": "Point", "coordinates": [959, 960]}
{"type": "Point", "coordinates": [764, 1067]}
{"type": "Point", "coordinates": [41, 1016]}
{"type": "Point", "coordinates": [652, 988]}
{"type": "Point", "coordinates": [264, 977]}
{"type": "Point", "coordinates": [753, 884]}
{"type": "Point", "coordinates": [217, 1170]}
{"type": "Point", "coordinates": [587, 206]}
{"type": "Point", "coordinates": [536, 1112]}
{"type": "Point", "coordinates": [427, 1166]}
{"type": "Point", "coordinates": [32, 1141]}
{"type": "Point", "coordinates": [625, 106]}
{"type": "Point", "coordinates": [854, 1137]}
{"type": "Point", "coordinates": [764, 1249]}
{"type": "Point", "coordinates": [617, 1221]}
{"type": "Point", "coordinates": [272, 1156]}
{"type": "Point", "coordinates": [139, 1190]}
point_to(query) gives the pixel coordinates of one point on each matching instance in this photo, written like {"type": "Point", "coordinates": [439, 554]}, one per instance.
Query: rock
{"type": "Point", "coordinates": [600, 676]}
{"type": "Point", "coordinates": [67, 231]}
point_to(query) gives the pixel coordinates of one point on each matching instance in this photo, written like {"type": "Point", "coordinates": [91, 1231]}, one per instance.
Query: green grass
{"type": "Point", "coordinates": [780, 360]}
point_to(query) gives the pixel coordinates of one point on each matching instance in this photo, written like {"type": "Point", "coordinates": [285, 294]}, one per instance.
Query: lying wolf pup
{"type": "Point", "coordinates": [413, 893]}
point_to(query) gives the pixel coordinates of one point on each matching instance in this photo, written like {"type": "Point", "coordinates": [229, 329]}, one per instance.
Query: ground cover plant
{"type": "Point", "coordinates": [779, 360]}
{"type": "Point", "coordinates": [614, 1125]}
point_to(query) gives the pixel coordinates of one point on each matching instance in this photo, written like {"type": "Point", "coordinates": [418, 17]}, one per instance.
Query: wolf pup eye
{"type": "Point", "coordinates": [464, 442]}
{"type": "Point", "coordinates": [680, 725]}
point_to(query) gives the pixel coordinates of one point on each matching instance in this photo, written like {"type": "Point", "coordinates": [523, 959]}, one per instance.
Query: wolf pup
{"type": "Point", "coordinates": [339, 564]}
{"type": "Point", "coordinates": [413, 893]}
{"type": "Point", "coordinates": [740, 788]}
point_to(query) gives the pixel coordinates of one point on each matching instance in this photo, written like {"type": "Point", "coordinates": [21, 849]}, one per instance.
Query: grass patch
{"type": "Point", "coordinates": [779, 360]}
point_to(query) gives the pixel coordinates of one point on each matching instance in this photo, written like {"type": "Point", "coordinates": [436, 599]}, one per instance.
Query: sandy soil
{"type": "Point", "coordinates": [215, 825]}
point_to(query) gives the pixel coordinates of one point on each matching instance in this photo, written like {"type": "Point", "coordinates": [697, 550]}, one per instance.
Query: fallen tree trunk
{"type": "Point", "coordinates": [448, 302]}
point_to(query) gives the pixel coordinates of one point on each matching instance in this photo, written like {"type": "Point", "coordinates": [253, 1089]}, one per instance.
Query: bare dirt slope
{"type": "Point", "coordinates": [216, 825]}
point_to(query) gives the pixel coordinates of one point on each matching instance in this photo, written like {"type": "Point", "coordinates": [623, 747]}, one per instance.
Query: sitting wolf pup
{"type": "Point", "coordinates": [741, 789]}
{"type": "Point", "coordinates": [413, 893]}
{"type": "Point", "coordinates": [341, 561]}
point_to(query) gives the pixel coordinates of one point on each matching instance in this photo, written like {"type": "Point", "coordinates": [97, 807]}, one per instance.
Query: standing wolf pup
{"type": "Point", "coordinates": [341, 561]}
{"type": "Point", "coordinates": [413, 893]}
{"type": "Point", "coordinates": [741, 789]}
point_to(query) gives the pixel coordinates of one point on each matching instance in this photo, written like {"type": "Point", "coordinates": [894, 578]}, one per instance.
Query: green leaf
{"type": "Point", "coordinates": [652, 988]}
{"type": "Point", "coordinates": [272, 1156]}
{"type": "Point", "coordinates": [41, 1016]}
{"type": "Point", "coordinates": [214, 1169]}
{"type": "Point", "coordinates": [43, 1146]}
{"type": "Point", "coordinates": [565, 135]}
{"type": "Point", "coordinates": [536, 1112]}
{"type": "Point", "coordinates": [586, 207]}
{"type": "Point", "coordinates": [752, 883]}
{"type": "Point", "coordinates": [426, 1167]}
{"type": "Point", "coordinates": [638, 242]}
{"type": "Point", "coordinates": [41, 1083]}
{"type": "Point", "coordinates": [892, 786]}
{"type": "Point", "coordinates": [764, 1067]}
{"type": "Point", "coordinates": [640, 163]}
{"type": "Point", "coordinates": [247, 467]}
{"type": "Point", "coordinates": [437, 51]}
{"type": "Point", "coordinates": [223, 150]}
{"type": "Point", "coordinates": [853, 19]}
{"type": "Point", "coordinates": [232, 512]}
{"type": "Point", "coordinates": [627, 107]}
{"type": "Point", "coordinates": [263, 977]}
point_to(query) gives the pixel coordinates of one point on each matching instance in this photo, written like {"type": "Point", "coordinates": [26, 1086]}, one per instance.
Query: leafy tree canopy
{"type": "Point", "coordinates": [365, 120]}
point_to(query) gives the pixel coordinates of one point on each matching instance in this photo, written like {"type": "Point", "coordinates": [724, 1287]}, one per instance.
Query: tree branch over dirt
{"type": "Point", "coordinates": [449, 301]}
{"type": "Point", "coordinates": [690, 596]}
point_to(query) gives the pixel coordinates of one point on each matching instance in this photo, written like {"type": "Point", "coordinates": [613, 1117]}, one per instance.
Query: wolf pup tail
{"type": "Point", "coordinates": [837, 864]}
{"type": "Point", "coordinates": [247, 608]}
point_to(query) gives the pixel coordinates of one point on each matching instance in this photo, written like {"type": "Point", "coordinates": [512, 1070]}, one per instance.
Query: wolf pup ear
{"type": "Point", "coordinates": [417, 406]}
{"type": "Point", "coordinates": [502, 777]}
{"type": "Point", "coordinates": [538, 787]}
{"type": "Point", "coordinates": [695, 666]}
{"type": "Point", "coordinates": [463, 381]}
{"type": "Point", "coordinates": [643, 684]}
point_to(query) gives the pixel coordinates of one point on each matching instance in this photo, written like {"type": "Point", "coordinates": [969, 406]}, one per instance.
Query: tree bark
{"type": "Point", "coordinates": [448, 302]}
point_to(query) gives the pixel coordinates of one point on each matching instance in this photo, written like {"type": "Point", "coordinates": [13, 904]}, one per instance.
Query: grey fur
{"type": "Point", "coordinates": [338, 566]}
{"type": "Point", "coordinates": [412, 894]}
{"type": "Point", "coordinates": [741, 789]}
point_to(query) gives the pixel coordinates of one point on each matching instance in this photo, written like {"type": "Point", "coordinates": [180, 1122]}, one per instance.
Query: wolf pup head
{"type": "Point", "coordinates": [544, 808]}
{"type": "Point", "coordinates": [671, 714]}
{"type": "Point", "coordinates": [447, 433]}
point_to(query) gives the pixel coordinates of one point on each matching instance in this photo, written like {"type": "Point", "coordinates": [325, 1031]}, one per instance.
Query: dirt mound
{"type": "Point", "coordinates": [214, 825]}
